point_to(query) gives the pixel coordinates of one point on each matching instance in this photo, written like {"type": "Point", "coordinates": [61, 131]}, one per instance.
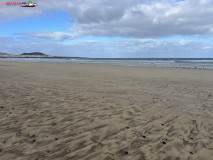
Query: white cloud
{"type": "Point", "coordinates": [56, 36]}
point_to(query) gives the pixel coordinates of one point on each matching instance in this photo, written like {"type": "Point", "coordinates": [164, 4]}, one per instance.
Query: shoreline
{"type": "Point", "coordinates": [108, 64]}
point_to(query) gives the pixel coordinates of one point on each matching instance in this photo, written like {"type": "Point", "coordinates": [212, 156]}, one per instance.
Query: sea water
{"type": "Point", "coordinates": [200, 63]}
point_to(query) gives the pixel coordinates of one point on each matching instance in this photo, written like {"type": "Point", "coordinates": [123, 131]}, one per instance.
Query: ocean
{"type": "Point", "coordinates": [197, 63]}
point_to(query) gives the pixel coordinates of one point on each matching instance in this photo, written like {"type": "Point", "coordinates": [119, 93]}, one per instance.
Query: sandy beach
{"type": "Point", "coordinates": [98, 112]}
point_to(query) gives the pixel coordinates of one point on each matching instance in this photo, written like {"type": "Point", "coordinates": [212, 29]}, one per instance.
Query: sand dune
{"type": "Point", "coordinates": [81, 111]}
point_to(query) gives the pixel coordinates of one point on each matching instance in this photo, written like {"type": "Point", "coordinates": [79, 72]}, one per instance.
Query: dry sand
{"type": "Point", "coordinates": [96, 112]}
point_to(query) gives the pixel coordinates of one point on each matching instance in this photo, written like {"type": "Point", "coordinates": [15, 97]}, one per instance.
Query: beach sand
{"type": "Point", "coordinates": [99, 112]}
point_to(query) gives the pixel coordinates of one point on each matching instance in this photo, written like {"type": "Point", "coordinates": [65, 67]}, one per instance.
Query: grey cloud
{"type": "Point", "coordinates": [158, 19]}
{"type": "Point", "coordinates": [96, 15]}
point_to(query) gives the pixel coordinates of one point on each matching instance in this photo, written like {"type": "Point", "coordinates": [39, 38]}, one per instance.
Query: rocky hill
{"type": "Point", "coordinates": [33, 54]}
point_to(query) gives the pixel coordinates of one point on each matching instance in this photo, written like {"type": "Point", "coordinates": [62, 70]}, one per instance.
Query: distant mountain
{"type": "Point", "coordinates": [34, 54]}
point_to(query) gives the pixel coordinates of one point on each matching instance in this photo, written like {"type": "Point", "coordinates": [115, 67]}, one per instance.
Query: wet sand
{"type": "Point", "coordinates": [98, 112]}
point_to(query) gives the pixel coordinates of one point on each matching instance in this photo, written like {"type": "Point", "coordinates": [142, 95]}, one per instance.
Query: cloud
{"type": "Point", "coordinates": [154, 20]}
{"type": "Point", "coordinates": [145, 48]}
{"type": "Point", "coordinates": [55, 36]}
{"type": "Point", "coordinates": [127, 18]}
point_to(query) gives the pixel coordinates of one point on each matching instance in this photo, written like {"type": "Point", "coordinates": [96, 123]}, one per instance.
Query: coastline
{"type": "Point", "coordinates": [185, 63]}
{"type": "Point", "coordinates": [93, 111]}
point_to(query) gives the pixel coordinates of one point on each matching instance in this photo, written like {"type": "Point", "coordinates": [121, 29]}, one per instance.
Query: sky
{"type": "Point", "coordinates": [109, 28]}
